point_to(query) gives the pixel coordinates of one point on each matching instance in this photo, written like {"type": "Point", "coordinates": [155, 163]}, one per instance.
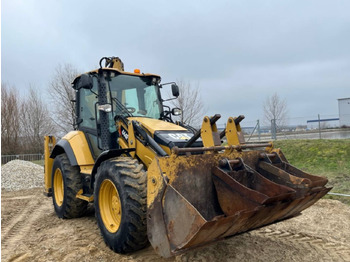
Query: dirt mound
{"type": "Point", "coordinates": [32, 232]}
{"type": "Point", "coordinates": [19, 174]}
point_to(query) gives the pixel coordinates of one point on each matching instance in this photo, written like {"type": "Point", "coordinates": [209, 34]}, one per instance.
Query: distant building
{"type": "Point", "coordinates": [322, 123]}
{"type": "Point", "coordinates": [300, 128]}
{"type": "Point", "coordinates": [344, 111]}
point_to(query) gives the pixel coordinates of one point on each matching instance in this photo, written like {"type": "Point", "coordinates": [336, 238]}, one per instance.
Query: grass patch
{"type": "Point", "coordinates": [325, 157]}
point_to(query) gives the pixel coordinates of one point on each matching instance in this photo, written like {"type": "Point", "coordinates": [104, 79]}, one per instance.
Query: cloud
{"type": "Point", "coordinates": [238, 51]}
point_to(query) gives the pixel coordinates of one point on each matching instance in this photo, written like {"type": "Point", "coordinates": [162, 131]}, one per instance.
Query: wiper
{"type": "Point", "coordinates": [121, 109]}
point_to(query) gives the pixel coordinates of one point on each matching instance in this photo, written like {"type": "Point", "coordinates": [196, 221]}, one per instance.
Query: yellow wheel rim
{"type": "Point", "coordinates": [110, 206]}
{"type": "Point", "coordinates": [58, 187]}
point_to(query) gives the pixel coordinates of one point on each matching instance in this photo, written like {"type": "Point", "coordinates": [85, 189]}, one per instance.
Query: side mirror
{"type": "Point", "coordinates": [85, 82]}
{"type": "Point", "coordinates": [176, 111]}
{"type": "Point", "coordinates": [175, 90]}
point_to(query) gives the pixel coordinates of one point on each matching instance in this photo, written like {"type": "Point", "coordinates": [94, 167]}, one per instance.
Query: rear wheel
{"type": "Point", "coordinates": [66, 182]}
{"type": "Point", "coordinates": [120, 204]}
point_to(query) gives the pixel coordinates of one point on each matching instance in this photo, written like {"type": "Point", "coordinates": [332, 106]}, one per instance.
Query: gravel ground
{"type": "Point", "coordinates": [31, 231]}
{"type": "Point", "coordinates": [19, 174]}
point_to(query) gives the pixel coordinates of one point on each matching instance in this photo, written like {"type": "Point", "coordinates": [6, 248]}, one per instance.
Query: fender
{"type": "Point", "coordinates": [76, 147]}
{"type": "Point", "coordinates": [104, 156]}
{"type": "Point", "coordinates": [61, 147]}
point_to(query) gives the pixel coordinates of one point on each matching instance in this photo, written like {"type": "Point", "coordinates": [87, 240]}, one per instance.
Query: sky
{"type": "Point", "coordinates": [237, 52]}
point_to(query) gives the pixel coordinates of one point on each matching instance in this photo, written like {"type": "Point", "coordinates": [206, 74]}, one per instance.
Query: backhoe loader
{"type": "Point", "coordinates": [158, 181]}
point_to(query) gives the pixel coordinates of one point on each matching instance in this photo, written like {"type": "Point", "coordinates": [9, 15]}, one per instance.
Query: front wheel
{"type": "Point", "coordinates": [120, 204]}
{"type": "Point", "coordinates": [66, 182]}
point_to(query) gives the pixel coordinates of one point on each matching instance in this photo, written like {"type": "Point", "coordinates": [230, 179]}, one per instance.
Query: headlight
{"type": "Point", "coordinates": [176, 112]}
{"type": "Point", "coordinates": [105, 108]}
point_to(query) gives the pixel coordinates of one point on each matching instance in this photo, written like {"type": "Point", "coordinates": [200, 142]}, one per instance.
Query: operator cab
{"type": "Point", "coordinates": [120, 95]}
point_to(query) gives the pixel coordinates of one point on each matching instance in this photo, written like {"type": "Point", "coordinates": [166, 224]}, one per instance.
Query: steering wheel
{"type": "Point", "coordinates": [130, 109]}
{"type": "Point", "coordinates": [126, 110]}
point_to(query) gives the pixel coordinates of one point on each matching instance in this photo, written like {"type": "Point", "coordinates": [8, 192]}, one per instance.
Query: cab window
{"type": "Point", "coordinates": [87, 101]}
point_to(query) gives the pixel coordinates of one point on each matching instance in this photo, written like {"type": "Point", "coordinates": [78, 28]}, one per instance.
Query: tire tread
{"type": "Point", "coordinates": [133, 180]}
{"type": "Point", "coordinates": [73, 207]}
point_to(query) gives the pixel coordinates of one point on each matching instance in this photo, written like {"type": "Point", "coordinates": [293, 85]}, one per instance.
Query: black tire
{"type": "Point", "coordinates": [128, 177]}
{"type": "Point", "coordinates": [69, 206]}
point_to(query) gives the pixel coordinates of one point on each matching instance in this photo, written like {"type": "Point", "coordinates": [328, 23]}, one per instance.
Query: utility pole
{"type": "Point", "coordinates": [258, 123]}
{"type": "Point", "coordinates": [319, 125]}
{"type": "Point", "coordinates": [273, 129]}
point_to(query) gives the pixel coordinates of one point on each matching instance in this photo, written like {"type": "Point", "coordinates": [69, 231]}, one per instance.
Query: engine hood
{"type": "Point", "coordinates": [165, 133]}
{"type": "Point", "coordinates": [153, 125]}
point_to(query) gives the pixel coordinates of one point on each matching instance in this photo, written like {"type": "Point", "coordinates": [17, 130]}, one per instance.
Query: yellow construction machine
{"type": "Point", "coordinates": [155, 180]}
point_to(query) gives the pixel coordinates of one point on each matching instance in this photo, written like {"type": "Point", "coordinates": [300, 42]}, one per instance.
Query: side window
{"type": "Point", "coordinates": [87, 101]}
{"type": "Point", "coordinates": [152, 102]}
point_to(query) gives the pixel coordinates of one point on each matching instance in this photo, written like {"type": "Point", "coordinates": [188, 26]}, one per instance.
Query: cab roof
{"type": "Point", "coordinates": [117, 71]}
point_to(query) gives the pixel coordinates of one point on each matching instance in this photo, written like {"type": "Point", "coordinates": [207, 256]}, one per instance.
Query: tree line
{"type": "Point", "coordinates": [23, 121]}
{"type": "Point", "coordinates": [26, 119]}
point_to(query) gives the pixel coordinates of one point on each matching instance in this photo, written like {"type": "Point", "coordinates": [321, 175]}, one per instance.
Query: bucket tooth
{"type": "Point", "coordinates": [278, 162]}
{"type": "Point", "coordinates": [245, 189]}
{"type": "Point", "coordinates": [309, 188]}
{"type": "Point", "coordinates": [306, 202]}
{"type": "Point", "coordinates": [279, 176]}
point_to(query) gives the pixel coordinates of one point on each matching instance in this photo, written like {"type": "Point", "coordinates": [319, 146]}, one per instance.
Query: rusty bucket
{"type": "Point", "coordinates": [197, 199]}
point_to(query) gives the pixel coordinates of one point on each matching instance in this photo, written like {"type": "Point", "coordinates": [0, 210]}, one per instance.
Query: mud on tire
{"type": "Point", "coordinates": [69, 206]}
{"type": "Point", "coordinates": [126, 176]}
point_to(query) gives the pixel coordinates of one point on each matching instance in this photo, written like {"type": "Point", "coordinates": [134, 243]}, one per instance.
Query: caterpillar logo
{"type": "Point", "coordinates": [180, 136]}
{"type": "Point", "coordinates": [125, 134]}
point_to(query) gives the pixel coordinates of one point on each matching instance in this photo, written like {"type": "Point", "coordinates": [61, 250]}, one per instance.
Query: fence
{"type": "Point", "coordinates": [307, 127]}
{"type": "Point", "coordinates": [36, 158]}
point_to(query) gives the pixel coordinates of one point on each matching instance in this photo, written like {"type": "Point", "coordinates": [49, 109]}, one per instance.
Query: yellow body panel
{"type": "Point", "coordinates": [122, 143]}
{"type": "Point", "coordinates": [132, 139]}
{"type": "Point", "coordinates": [80, 148]}
{"type": "Point", "coordinates": [153, 125]}
{"type": "Point", "coordinates": [81, 152]}
{"type": "Point", "coordinates": [49, 143]}
{"type": "Point", "coordinates": [231, 133]}
{"type": "Point", "coordinates": [166, 149]}
{"type": "Point", "coordinates": [146, 154]}
{"type": "Point", "coordinates": [86, 198]}
{"type": "Point", "coordinates": [209, 133]}
{"type": "Point", "coordinates": [86, 169]}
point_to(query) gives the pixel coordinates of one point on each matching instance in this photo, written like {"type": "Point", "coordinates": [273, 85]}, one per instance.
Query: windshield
{"type": "Point", "coordinates": [136, 94]}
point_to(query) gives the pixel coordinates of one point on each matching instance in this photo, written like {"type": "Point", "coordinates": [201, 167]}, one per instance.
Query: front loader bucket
{"type": "Point", "coordinates": [197, 199]}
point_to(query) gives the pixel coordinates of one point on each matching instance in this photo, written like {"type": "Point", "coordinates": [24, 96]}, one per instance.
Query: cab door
{"type": "Point", "coordinates": [88, 116]}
